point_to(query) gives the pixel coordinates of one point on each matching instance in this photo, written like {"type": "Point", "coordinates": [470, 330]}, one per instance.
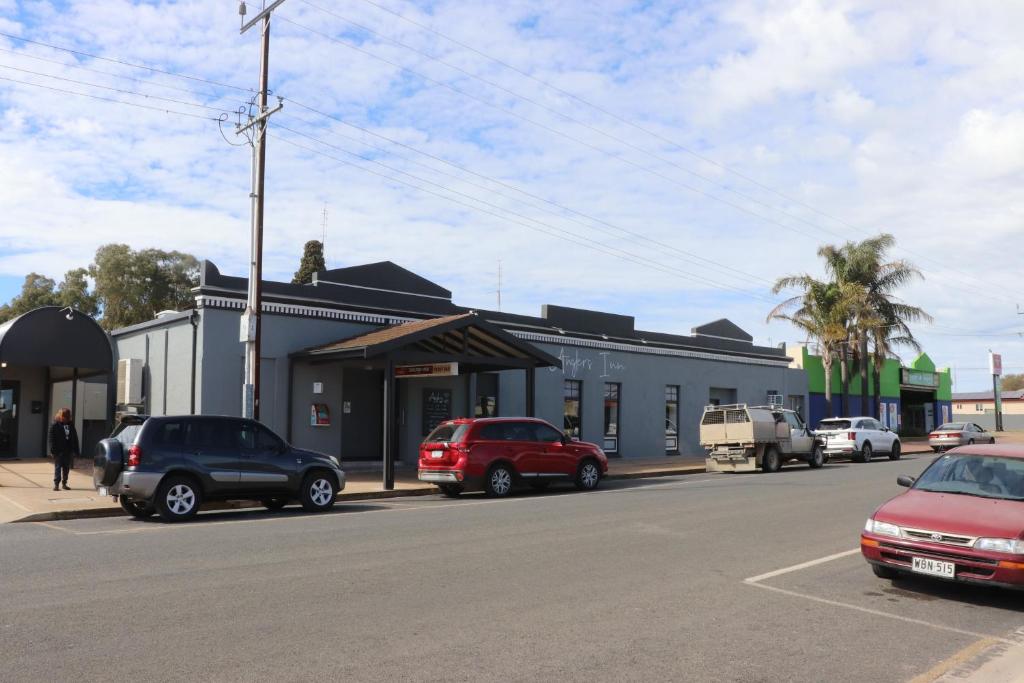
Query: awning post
{"type": "Point", "coordinates": [530, 391]}
{"type": "Point", "coordinates": [389, 426]}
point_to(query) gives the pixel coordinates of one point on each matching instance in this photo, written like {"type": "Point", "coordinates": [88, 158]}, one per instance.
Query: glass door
{"type": "Point", "coordinates": [9, 420]}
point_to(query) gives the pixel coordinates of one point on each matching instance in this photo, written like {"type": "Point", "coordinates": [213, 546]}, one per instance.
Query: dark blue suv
{"type": "Point", "coordinates": [170, 465]}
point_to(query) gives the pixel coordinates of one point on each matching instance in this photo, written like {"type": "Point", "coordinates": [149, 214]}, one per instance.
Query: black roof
{"type": "Point", "coordinates": [386, 288]}
{"type": "Point", "coordinates": [385, 276]}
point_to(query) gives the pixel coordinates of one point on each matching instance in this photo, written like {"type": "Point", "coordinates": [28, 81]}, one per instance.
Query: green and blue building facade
{"type": "Point", "coordinates": [913, 399]}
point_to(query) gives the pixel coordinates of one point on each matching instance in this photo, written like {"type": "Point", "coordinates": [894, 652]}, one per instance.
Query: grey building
{"type": "Point", "coordinates": [375, 345]}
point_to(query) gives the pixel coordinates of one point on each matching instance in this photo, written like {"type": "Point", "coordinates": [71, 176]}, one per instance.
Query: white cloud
{"type": "Point", "coordinates": [847, 105]}
{"type": "Point", "coordinates": [989, 144]}
{"type": "Point", "coordinates": [878, 114]}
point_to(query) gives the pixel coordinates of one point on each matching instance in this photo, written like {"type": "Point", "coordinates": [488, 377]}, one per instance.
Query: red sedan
{"type": "Point", "coordinates": [961, 520]}
{"type": "Point", "coordinates": [496, 454]}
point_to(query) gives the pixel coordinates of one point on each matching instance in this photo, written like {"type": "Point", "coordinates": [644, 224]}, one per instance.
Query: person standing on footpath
{"type": "Point", "coordinates": [63, 447]}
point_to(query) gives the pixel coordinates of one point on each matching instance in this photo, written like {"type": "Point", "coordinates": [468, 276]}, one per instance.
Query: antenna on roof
{"type": "Point", "coordinates": [323, 232]}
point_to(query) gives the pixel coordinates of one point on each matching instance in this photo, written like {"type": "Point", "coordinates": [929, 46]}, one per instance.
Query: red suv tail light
{"type": "Point", "coordinates": [134, 456]}
{"type": "Point", "coordinates": [851, 436]}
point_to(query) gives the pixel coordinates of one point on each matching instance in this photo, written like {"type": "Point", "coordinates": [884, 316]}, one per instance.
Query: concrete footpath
{"type": "Point", "coordinates": [27, 495]}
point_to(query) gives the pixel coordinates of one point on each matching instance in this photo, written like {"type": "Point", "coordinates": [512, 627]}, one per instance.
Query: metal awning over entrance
{"type": "Point", "coordinates": [466, 339]}
{"type": "Point", "coordinates": [38, 350]}
{"type": "Point", "coordinates": [463, 338]}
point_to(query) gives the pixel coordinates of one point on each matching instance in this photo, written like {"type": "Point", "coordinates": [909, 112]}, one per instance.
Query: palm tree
{"type": "Point", "coordinates": [821, 311]}
{"type": "Point", "coordinates": [882, 319]}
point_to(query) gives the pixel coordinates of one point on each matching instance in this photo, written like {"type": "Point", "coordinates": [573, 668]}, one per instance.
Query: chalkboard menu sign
{"type": "Point", "coordinates": [437, 407]}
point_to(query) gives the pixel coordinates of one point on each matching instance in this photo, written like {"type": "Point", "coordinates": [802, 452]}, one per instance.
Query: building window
{"type": "Point", "coordinates": [978, 408]}
{"type": "Point", "coordinates": [774, 398]}
{"type": "Point", "coordinates": [796, 404]}
{"type": "Point", "coordinates": [486, 403]}
{"type": "Point", "coordinates": [672, 419]}
{"type": "Point", "coordinates": [611, 417]}
{"type": "Point", "coordinates": [573, 408]}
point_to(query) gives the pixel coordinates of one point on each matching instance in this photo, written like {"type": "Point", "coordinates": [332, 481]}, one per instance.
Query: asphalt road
{"type": "Point", "coordinates": [641, 580]}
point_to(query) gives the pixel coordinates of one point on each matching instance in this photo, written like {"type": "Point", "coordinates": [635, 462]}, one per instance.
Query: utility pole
{"type": "Point", "coordinates": [995, 366]}
{"type": "Point", "coordinates": [323, 235]}
{"type": "Point", "coordinates": [251, 327]}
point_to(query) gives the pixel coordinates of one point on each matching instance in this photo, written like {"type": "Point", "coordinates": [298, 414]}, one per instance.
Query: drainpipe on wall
{"type": "Point", "coordinates": [193, 320]}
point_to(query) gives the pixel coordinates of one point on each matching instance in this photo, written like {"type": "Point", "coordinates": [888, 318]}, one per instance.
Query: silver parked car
{"type": "Point", "coordinates": [953, 434]}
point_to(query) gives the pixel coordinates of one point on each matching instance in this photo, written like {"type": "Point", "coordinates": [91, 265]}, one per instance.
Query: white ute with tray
{"type": "Point", "coordinates": [742, 438]}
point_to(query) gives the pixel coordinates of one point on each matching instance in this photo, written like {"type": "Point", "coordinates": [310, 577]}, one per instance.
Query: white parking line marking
{"type": "Point", "coordinates": [887, 615]}
{"type": "Point", "coordinates": [802, 565]}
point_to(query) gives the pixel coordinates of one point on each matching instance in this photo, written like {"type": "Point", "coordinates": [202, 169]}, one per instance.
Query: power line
{"type": "Point", "coordinates": [124, 63]}
{"type": "Point", "coordinates": [595, 148]}
{"type": "Point", "coordinates": [977, 334]}
{"type": "Point", "coordinates": [629, 123]}
{"type": "Point", "coordinates": [546, 127]}
{"type": "Point", "coordinates": [110, 99]}
{"type": "Point", "coordinates": [547, 228]}
{"type": "Point", "coordinates": [693, 258]}
{"type": "Point", "coordinates": [118, 90]}
{"type": "Point", "coordinates": [693, 189]}
{"type": "Point", "coordinates": [99, 71]}
{"type": "Point", "coordinates": [576, 236]}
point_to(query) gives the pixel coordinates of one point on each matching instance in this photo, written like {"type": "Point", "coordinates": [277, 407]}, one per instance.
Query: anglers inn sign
{"type": "Point", "coordinates": [427, 370]}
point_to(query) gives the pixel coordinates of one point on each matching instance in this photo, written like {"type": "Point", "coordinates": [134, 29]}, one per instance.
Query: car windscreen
{"type": "Point", "coordinates": [447, 433]}
{"type": "Point", "coordinates": [834, 424]}
{"type": "Point", "coordinates": [986, 476]}
{"type": "Point", "coordinates": [950, 427]}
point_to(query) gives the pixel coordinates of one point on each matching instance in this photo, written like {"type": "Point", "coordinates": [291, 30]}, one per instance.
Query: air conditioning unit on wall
{"type": "Point", "coordinates": [129, 381]}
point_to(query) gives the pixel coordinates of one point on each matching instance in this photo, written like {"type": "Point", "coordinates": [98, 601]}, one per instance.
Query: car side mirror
{"type": "Point", "coordinates": [905, 480]}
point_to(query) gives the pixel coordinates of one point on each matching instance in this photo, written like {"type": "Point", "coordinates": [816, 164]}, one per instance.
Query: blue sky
{"type": "Point", "coordinates": [661, 159]}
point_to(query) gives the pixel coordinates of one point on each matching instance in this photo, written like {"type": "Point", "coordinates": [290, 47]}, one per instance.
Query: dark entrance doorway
{"type": "Point", "coordinates": [917, 410]}
{"type": "Point", "coordinates": [9, 397]}
{"type": "Point", "coordinates": [362, 399]}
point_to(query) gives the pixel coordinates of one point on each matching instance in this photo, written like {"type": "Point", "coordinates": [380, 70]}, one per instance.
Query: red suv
{"type": "Point", "coordinates": [495, 454]}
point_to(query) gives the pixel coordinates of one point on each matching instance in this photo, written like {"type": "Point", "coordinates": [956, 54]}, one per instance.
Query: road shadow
{"type": "Point", "coordinates": [234, 514]}
{"type": "Point", "coordinates": [928, 590]}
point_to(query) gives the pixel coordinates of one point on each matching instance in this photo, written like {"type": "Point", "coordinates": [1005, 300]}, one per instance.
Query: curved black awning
{"type": "Point", "coordinates": [56, 337]}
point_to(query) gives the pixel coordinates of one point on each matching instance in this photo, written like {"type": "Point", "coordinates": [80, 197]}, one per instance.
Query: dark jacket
{"type": "Point", "coordinates": [61, 444]}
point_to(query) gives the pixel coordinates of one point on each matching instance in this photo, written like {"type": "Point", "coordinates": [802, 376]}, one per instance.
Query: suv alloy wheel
{"type": "Point", "coordinates": [317, 492]}
{"type": "Point", "coordinates": [588, 477]}
{"type": "Point", "coordinates": [499, 481]}
{"type": "Point", "coordinates": [895, 453]}
{"type": "Point", "coordinates": [178, 498]}
{"type": "Point", "coordinates": [865, 452]}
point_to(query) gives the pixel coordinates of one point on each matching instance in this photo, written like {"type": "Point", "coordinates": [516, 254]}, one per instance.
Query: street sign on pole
{"type": "Point", "coordinates": [995, 366]}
